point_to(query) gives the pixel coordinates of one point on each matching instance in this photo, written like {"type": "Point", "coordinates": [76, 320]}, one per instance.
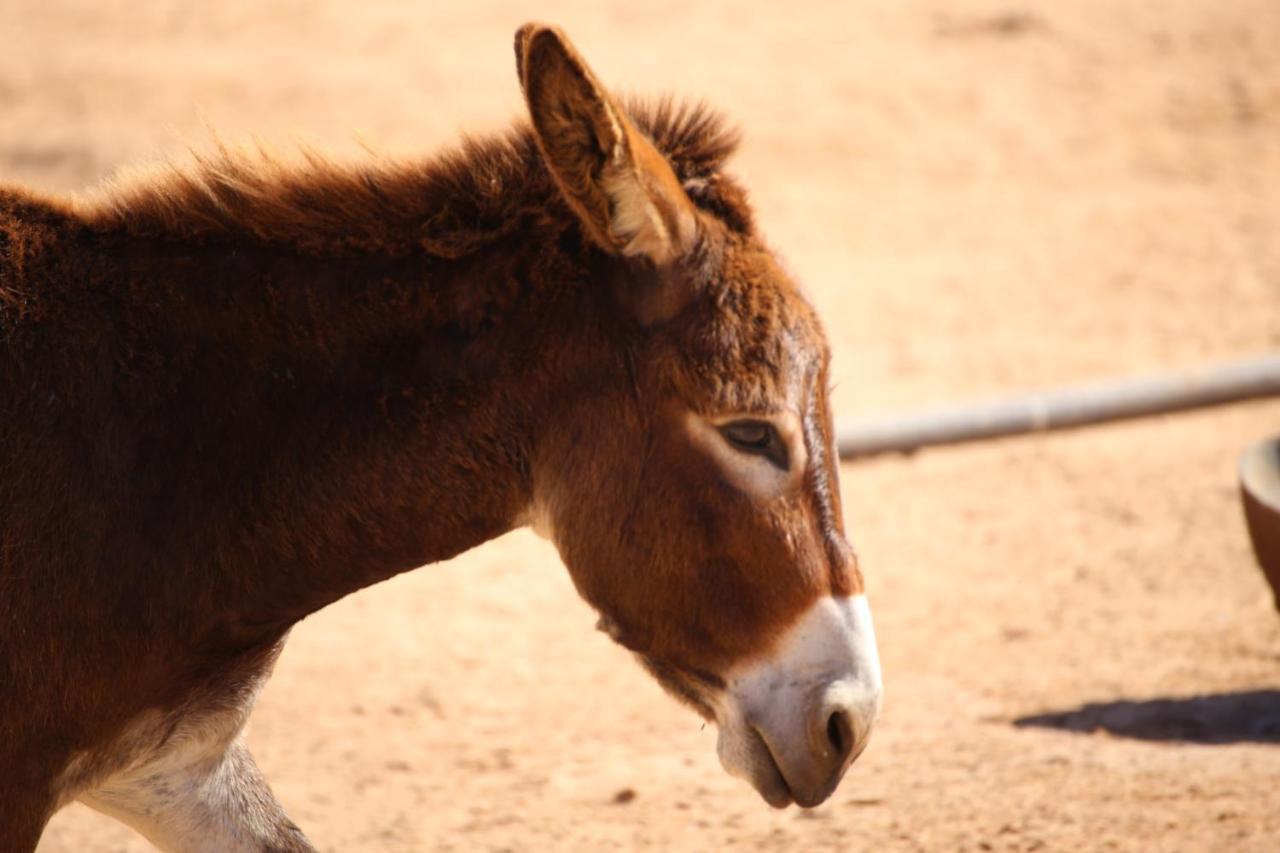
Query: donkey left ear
{"type": "Point", "coordinates": [616, 181]}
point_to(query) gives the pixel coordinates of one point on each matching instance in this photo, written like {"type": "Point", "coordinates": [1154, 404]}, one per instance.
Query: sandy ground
{"type": "Point", "coordinates": [981, 197]}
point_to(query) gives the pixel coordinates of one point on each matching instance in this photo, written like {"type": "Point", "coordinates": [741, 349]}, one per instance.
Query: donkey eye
{"type": "Point", "coordinates": [758, 438]}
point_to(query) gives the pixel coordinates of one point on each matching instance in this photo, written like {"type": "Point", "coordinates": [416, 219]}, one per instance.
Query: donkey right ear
{"type": "Point", "coordinates": [616, 181]}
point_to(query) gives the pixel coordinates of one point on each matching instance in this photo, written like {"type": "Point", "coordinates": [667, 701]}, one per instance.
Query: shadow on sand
{"type": "Point", "coordinates": [1248, 717]}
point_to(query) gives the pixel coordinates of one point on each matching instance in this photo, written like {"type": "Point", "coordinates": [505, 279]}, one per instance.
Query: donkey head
{"type": "Point", "coordinates": [691, 488]}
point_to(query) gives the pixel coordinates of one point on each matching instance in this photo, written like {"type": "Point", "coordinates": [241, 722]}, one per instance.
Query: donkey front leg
{"type": "Point", "coordinates": [220, 803]}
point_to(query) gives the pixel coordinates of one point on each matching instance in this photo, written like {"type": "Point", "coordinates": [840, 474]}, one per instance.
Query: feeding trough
{"type": "Point", "coordinates": [1260, 490]}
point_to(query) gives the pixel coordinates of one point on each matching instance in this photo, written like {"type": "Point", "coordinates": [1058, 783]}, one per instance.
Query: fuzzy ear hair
{"type": "Point", "coordinates": [523, 36]}
{"type": "Point", "coordinates": [618, 184]}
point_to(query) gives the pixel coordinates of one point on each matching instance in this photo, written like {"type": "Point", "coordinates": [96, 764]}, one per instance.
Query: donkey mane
{"type": "Point", "coordinates": [446, 206]}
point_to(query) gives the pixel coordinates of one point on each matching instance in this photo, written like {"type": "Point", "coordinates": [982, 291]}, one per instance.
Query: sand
{"type": "Point", "coordinates": [981, 198]}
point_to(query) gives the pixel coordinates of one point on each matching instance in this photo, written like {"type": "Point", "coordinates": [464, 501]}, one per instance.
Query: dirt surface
{"type": "Point", "coordinates": [1079, 653]}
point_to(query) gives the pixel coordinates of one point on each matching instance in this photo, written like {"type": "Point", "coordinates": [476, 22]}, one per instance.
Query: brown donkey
{"type": "Point", "coordinates": [233, 393]}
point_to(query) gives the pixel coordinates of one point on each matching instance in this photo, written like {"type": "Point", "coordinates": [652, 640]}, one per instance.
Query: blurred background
{"type": "Point", "coordinates": [981, 197]}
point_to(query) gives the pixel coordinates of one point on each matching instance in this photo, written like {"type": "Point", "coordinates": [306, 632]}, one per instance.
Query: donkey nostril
{"type": "Point", "coordinates": [840, 732]}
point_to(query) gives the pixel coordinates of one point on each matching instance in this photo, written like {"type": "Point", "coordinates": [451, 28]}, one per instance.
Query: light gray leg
{"type": "Point", "coordinates": [199, 802]}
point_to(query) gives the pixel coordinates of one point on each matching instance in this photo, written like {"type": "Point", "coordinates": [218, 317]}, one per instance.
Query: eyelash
{"type": "Point", "coordinates": [757, 438]}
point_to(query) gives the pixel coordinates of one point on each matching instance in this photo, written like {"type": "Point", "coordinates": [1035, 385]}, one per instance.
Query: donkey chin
{"type": "Point", "coordinates": [793, 722]}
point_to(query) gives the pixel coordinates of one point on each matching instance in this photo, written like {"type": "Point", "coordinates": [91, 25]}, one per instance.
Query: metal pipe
{"type": "Point", "coordinates": [1076, 406]}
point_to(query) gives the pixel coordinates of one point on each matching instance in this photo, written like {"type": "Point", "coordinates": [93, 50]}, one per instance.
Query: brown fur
{"type": "Point", "coordinates": [448, 206]}
{"type": "Point", "coordinates": [234, 392]}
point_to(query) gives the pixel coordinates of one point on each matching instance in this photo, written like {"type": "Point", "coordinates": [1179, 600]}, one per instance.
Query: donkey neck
{"type": "Point", "coordinates": [332, 421]}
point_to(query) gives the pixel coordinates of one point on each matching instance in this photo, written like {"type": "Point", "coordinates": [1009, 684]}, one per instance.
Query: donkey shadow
{"type": "Point", "coordinates": [1245, 717]}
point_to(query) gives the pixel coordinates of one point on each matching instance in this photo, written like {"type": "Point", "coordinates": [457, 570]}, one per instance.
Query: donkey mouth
{"type": "Point", "coordinates": [781, 777]}
{"type": "Point", "coordinates": [768, 778]}
{"type": "Point", "coordinates": [805, 797]}
{"type": "Point", "coordinates": [753, 760]}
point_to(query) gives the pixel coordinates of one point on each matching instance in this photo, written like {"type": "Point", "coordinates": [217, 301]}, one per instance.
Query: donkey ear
{"type": "Point", "coordinates": [618, 184]}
